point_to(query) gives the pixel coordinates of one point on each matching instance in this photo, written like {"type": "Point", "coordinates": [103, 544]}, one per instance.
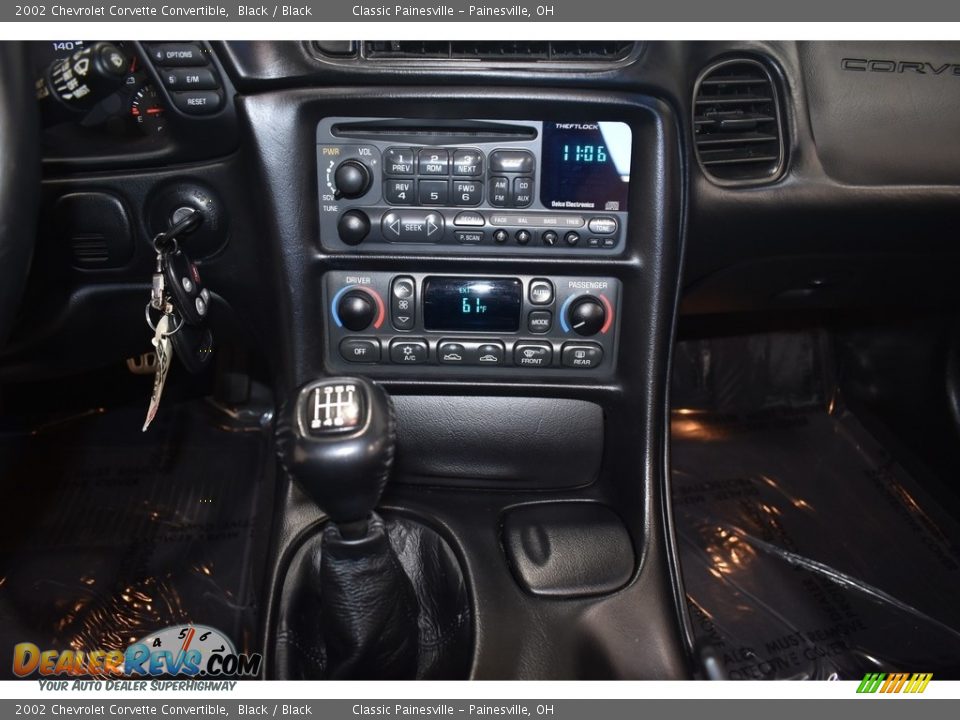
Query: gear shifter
{"type": "Point", "coordinates": [355, 609]}
{"type": "Point", "coordinates": [365, 597]}
{"type": "Point", "coordinates": [337, 440]}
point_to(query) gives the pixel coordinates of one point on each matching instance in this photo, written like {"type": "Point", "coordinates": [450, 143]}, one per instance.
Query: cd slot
{"type": "Point", "coordinates": [434, 132]}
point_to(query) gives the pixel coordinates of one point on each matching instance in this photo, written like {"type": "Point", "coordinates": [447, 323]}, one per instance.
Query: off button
{"type": "Point", "coordinates": [360, 351]}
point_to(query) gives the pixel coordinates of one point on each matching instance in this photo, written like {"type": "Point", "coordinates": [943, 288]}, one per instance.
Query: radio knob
{"type": "Point", "coordinates": [356, 310]}
{"type": "Point", "coordinates": [353, 226]}
{"type": "Point", "coordinates": [352, 179]}
{"type": "Point", "coordinates": [586, 315]}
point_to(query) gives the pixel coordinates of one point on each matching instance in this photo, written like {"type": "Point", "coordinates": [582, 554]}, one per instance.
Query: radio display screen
{"type": "Point", "coordinates": [468, 304]}
{"type": "Point", "coordinates": [586, 166]}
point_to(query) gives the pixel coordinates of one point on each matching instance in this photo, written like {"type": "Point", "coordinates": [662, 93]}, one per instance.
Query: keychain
{"type": "Point", "coordinates": [178, 293]}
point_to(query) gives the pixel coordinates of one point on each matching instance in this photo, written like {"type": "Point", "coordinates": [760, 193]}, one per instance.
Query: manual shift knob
{"type": "Point", "coordinates": [336, 439]}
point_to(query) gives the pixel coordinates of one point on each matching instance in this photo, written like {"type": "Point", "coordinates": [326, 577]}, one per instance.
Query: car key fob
{"type": "Point", "coordinates": [193, 344]}
{"type": "Point", "coordinates": [189, 296]}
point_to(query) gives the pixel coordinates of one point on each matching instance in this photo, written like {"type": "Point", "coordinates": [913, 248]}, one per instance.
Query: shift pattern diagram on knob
{"type": "Point", "coordinates": [335, 407]}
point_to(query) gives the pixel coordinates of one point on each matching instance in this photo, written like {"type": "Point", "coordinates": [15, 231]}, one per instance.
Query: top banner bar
{"type": "Point", "coordinates": [579, 11]}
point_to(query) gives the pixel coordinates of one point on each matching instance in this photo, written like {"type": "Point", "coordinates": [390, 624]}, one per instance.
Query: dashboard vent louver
{"type": "Point", "coordinates": [737, 127]}
{"type": "Point", "coordinates": [494, 50]}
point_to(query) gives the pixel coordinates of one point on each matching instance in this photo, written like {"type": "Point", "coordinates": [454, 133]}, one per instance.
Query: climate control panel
{"type": "Point", "coordinates": [412, 323]}
{"type": "Point", "coordinates": [473, 186]}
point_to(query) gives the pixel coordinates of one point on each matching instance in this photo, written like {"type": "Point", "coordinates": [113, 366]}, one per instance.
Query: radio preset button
{"type": "Point", "coordinates": [434, 162]}
{"type": "Point", "coordinates": [468, 163]}
{"type": "Point", "coordinates": [499, 191]}
{"type": "Point", "coordinates": [408, 352]}
{"type": "Point", "coordinates": [501, 236]}
{"type": "Point", "coordinates": [602, 225]}
{"type": "Point", "coordinates": [471, 237]}
{"type": "Point", "coordinates": [540, 321]}
{"type": "Point", "coordinates": [541, 292]}
{"type": "Point", "coordinates": [412, 226]}
{"type": "Point", "coordinates": [433, 192]}
{"type": "Point", "coordinates": [523, 237]}
{"type": "Point", "coordinates": [467, 192]}
{"type": "Point", "coordinates": [522, 191]}
{"type": "Point", "coordinates": [571, 238]}
{"type": "Point", "coordinates": [398, 161]}
{"type": "Point", "coordinates": [581, 355]}
{"type": "Point", "coordinates": [532, 354]}
{"type": "Point", "coordinates": [398, 192]}
{"type": "Point", "coordinates": [511, 161]}
{"type": "Point", "coordinates": [469, 219]}
{"type": "Point", "coordinates": [359, 350]}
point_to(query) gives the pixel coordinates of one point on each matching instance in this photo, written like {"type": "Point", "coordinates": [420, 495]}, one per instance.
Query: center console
{"type": "Point", "coordinates": [504, 263]}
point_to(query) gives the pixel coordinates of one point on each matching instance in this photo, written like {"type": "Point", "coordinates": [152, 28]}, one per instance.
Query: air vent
{"type": "Point", "coordinates": [737, 125]}
{"type": "Point", "coordinates": [500, 51]}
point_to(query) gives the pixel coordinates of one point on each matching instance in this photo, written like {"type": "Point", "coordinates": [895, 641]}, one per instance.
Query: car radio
{"type": "Point", "coordinates": [458, 323]}
{"type": "Point", "coordinates": [473, 186]}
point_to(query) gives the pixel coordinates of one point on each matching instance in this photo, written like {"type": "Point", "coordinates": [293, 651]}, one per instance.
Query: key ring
{"type": "Point", "coordinates": [164, 244]}
{"type": "Point", "coordinates": [146, 312]}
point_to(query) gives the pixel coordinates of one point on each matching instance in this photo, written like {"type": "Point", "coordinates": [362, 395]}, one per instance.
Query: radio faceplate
{"type": "Point", "coordinates": [473, 186]}
{"type": "Point", "coordinates": [417, 323]}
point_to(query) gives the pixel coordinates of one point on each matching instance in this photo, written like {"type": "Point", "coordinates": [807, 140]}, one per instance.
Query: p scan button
{"type": "Point", "coordinates": [359, 350]}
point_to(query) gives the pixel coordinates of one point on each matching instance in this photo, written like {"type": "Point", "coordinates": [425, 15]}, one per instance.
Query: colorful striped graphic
{"type": "Point", "coordinates": [894, 682]}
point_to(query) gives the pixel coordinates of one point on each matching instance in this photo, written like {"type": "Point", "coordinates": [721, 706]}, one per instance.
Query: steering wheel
{"type": "Point", "coordinates": [19, 178]}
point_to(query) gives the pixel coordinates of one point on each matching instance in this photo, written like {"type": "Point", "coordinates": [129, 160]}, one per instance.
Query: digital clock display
{"type": "Point", "coordinates": [466, 304]}
{"type": "Point", "coordinates": [586, 166]}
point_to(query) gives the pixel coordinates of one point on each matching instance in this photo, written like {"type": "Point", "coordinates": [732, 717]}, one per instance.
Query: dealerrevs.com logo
{"type": "Point", "coordinates": [187, 651]}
